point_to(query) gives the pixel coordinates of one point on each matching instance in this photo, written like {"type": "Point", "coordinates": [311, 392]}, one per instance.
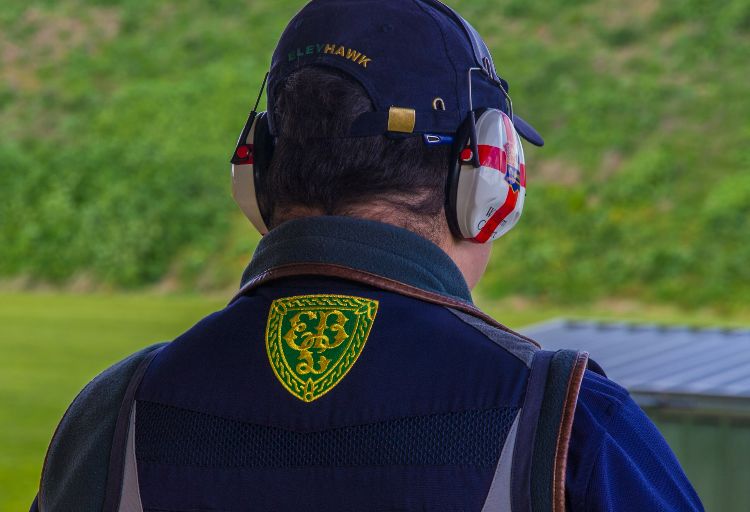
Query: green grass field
{"type": "Point", "coordinates": [51, 345]}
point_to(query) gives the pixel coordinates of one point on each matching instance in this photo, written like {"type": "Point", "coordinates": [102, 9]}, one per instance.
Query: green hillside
{"type": "Point", "coordinates": [117, 119]}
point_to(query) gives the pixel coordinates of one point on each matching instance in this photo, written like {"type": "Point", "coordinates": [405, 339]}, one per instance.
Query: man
{"type": "Point", "coordinates": [352, 371]}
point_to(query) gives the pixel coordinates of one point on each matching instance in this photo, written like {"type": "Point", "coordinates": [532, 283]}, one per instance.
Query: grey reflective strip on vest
{"type": "Point", "coordinates": [498, 498]}
{"type": "Point", "coordinates": [130, 499]}
{"type": "Point", "coordinates": [520, 348]}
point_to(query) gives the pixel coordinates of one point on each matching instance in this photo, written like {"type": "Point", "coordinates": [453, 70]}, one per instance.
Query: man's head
{"type": "Point", "coordinates": [390, 110]}
{"type": "Point", "coordinates": [317, 170]}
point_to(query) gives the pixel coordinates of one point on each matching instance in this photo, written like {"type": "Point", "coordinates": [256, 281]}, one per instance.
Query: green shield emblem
{"type": "Point", "coordinates": [313, 340]}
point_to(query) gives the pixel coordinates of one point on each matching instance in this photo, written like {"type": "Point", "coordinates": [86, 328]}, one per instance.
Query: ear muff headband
{"type": "Point", "coordinates": [484, 202]}
{"type": "Point", "coordinates": [486, 185]}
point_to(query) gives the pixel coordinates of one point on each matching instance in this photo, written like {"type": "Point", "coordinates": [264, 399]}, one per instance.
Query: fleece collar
{"type": "Point", "coordinates": [374, 247]}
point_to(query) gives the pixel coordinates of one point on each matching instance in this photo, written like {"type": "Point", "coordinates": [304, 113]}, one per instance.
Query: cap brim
{"type": "Point", "coordinates": [527, 131]}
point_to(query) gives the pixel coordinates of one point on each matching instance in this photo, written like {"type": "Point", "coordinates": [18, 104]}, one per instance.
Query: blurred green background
{"type": "Point", "coordinates": [117, 226]}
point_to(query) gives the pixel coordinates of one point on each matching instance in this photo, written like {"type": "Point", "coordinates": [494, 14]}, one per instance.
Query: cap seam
{"type": "Point", "coordinates": [447, 52]}
{"type": "Point", "coordinates": [323, 60]}
{"type": "Point", "coordinates": [282, 72]}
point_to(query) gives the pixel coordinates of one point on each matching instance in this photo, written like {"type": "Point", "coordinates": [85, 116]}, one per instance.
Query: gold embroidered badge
{"type": "Point", "coordinates": [313, 340]}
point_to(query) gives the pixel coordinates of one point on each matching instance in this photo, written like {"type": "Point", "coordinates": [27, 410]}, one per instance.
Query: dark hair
{"type": "Point", "coordinates": [339, 175]}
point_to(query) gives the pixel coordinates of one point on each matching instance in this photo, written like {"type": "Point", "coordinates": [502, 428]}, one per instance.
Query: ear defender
{"type": "Point", "coordinates": [249, 163]}
{"type": "Point", "coordinates": [487, 182]}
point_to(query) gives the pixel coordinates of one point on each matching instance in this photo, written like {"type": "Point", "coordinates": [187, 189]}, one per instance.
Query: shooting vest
{"type": "Point", "coordinates": [429, 404]}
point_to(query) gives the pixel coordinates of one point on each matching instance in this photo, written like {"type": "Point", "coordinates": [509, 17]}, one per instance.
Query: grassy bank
{"type": "Point", "coordinates": [117, 118]}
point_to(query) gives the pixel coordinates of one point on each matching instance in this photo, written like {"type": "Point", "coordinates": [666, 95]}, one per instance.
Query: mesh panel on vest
{"type": "Point", "coordinates": [171, 435]}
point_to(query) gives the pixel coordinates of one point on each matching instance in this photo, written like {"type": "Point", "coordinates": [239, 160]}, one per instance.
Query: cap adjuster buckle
{"type": "Point", "coordinates": [401, 120]}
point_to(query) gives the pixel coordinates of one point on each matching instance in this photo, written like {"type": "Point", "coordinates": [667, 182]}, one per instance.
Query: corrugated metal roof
{"type": "Point", "coordinates": [659, 360]}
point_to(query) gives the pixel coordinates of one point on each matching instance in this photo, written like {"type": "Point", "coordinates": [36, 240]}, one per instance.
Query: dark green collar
{"type": "Point", "coordinates": [370, 246]}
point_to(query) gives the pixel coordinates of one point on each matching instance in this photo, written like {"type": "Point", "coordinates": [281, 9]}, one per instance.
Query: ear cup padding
{"type": "Point", "coordinates": [451, 189]}
{"type": "Point", "coordinates": [264, 145]}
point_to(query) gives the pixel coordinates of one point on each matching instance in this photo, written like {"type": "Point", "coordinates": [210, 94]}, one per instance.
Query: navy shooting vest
{"type": "Point", "coordinates": [339, 382]}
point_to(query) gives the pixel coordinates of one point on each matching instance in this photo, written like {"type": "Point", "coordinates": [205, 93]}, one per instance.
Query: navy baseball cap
{"type": "Point", "coordinates": [424, 67]}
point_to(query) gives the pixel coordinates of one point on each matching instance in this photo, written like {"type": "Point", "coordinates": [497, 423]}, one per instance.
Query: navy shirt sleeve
{"type": "Point", "coordinates": [618, 460]}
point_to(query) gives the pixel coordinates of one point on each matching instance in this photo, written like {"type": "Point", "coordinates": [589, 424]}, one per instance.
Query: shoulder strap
{"type": "Point", "coordinates": [74, 475]}
{"type": "Point", "coordinates": [546, 422]}
{"type": "Point", "coordinates": [120, 497]}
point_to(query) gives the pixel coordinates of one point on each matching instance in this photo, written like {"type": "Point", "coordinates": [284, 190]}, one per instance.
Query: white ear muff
{"type": "Point", "coordinates": [243, 179]}
{"type": "Point", "coordinates": [489, 199]}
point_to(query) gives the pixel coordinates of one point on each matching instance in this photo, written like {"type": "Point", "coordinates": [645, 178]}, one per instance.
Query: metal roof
{"type": "Point", "coordinates": [659, 364]}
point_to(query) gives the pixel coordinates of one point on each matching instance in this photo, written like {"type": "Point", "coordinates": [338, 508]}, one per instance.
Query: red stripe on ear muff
{"type": "Point", "coordinates": [492, 156]}
{"type": "Point", "coordinates": [508, 206]}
